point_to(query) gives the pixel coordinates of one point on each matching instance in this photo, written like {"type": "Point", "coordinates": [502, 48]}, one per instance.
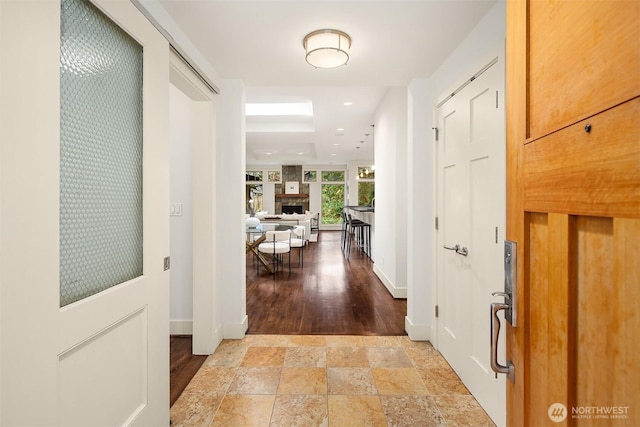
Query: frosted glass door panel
{"type": "Point", "coordinates": [100, 154]}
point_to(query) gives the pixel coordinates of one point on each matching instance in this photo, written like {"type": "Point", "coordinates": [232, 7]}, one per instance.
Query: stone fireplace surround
{"type": "Point", "coordinates": [291, 173]}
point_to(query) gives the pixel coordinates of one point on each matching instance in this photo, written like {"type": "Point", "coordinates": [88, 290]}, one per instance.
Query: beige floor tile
{"type": "Point", "coordinates": [226, 355]}
{"type": "Point", "coordinates": [212, 379]}
{"type": "Point", "coordinates": [375, 341]}
{"type": "Point", "coordinates": [355, 381]}
{"type": "Point", "coordinates": [355, 411]}
{"type": "Point", "coordinates": [407, 342]}
{"type": "Point", "coordinates": [411, 411]}
{"type": "Point", "coordinates": [326, 381]}
{"type": "Point", "coordinates": [264, 356]}
{"type": "Point", "coordinates": [300, 411]}
{"type": "Point", "coordinates": [303, 381]}
{"type": "Point", "coordinates": [426, 357]}
{"type": "Point", "coordinates": [388, 357]}
{"type": "Point", "coordinates": [347, 357]}
{"type": "Point", "coordinates": [258, 380]}
{"type": "Point", "coordinates": [195, 408]}
{"type": "Point", "coordinates": [442, 381]}
{"type": "Point", "coordinates": [229, 343]}
{"type": "Point", "coordinates": [267, 340]}
{"type": "Point", "coordinates": [399, 381]}
{"type": "Point", "coordinates": [310, 357]}
{"type": "Point", "coordinates": [459, 411]}
{"type": "Point", "coordinates": [239, 411]}
{"type": "Point", "coordinates": [307, 341]}
{"type": "Point", "coordinates": [343, 341]}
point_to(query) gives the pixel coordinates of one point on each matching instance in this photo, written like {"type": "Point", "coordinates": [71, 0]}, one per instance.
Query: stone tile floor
{"type": "Point", "coordinates": [295, 380]}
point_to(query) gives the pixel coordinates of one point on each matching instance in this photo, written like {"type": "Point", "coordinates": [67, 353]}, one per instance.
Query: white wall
{"type": "Point", "coordinates": [230, 201]}
{"type": "Point", "coordinates": [391, 191]}
{"type": "Point", "coordinates": [181, 287]}
{"type": "Point", "coordinates": [424, 95]}
{"type": "Point", "coordinates": [420, 211]}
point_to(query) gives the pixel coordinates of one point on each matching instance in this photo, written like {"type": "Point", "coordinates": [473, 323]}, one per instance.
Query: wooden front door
{"type": "Point", "coordinates": [573, 207]}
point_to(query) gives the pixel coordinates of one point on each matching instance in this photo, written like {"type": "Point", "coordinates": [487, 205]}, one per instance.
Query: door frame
{"type": "Point", "coordinates": [206, 335]}
{"type": "Point", "coordinates": [496, 53]}
{"type": "Point", "coordinates": [494, 57]}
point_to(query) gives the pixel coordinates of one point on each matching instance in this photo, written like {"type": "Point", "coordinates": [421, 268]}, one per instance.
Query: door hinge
{"type": "Point", "coordinates": [436, 129]}
{"type": "Point", "coordinates": [496, 99]}
{"type": "Point", "coordinates": [436, 223]}
{"type": "Point", "coordinates": [437, 311]}
{"type": "Point", "coordinates": [167, 263]}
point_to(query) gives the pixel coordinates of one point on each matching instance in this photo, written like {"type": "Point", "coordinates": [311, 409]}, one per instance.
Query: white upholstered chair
{"type": "Point", "coordinates": [298, 240]}
{"type": "Point", "coordinates": [276, 245]}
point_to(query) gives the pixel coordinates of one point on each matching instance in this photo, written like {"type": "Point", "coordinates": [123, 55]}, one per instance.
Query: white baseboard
{"type": "Point", "coordinates": [395, 291]}
{"type": "Point", "coordinates": [181, 327]}
{"type": "Point", "coordinates": [235, 331]}
{"type": "Point", "coordinates": [417, 332]}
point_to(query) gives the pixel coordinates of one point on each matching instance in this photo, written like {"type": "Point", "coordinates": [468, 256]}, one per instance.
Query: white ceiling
{"type": "Point", "coordinates": [260, 42]}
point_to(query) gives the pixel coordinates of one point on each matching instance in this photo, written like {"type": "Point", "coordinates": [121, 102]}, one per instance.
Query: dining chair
{"type": "Point", "coordinates": [297, 240]}
{"type": "Point", "coordinates": [276, 244]}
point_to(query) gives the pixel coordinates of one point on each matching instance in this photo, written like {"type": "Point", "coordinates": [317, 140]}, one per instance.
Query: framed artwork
{"type": "Point", "coordinates": [292, 187]}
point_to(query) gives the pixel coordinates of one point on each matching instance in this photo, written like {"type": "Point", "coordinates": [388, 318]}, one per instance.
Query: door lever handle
{"type": "Point", "coordinates": [459, 250]}
{"type": "Point", "coordinates": [501, 294]}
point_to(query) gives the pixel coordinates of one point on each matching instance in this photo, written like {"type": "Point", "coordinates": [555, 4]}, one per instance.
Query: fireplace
{"type": "Point", "coordinates": [293, 209]}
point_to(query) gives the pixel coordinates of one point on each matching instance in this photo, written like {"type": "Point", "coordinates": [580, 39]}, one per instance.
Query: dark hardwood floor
{"type": "Point", "coordinates": [183, 365]}
{"type": "Point", "coordinates": [328, 295]}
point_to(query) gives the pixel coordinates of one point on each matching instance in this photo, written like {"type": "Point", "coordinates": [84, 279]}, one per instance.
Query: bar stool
{"type": "Point", "coordinates": [347, 230]}
{"type": "Point", "coordinates": [361, 232]}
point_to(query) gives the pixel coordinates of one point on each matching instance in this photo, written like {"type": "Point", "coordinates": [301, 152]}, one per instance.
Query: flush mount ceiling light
{"type": "Point", "coordinates": [327, 48]}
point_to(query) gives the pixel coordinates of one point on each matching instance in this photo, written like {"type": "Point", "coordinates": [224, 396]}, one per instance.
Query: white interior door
{"type": "Point", "coordinates": [84, 315]}
{"type": "Point", "coordinates": [471, 213]}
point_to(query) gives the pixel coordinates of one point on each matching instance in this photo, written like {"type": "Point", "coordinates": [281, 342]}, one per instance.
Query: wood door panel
{"type": "Point", "coordinates": [607, 356]}
{"type": "Point", "coordinates": [582, 275]}
{"type": "Point", "coordinates": [595, 173]}
{"type": "Point", "coordinates": [550, 288]}
{"type": "Point", "coordinates": [594, 39]}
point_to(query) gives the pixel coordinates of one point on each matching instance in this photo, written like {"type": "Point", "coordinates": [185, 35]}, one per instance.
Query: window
{"type": "Point", "coordinates": [332, 203]}
{"type": "Point", "coordinates": [274, 176]}
{"type": "Point", "coordinates": [366, 192]}
{"type": "Point", "coordinates": [333, 192]}
{"type": "Point", "coordinates": [332, 176]}
{"type": "Point", "coordinates": [254, 198]}
{"type": "Point", "coordinates": [366, 185]}
{"type": "Point", "coordinates": [366, 172]}
{"type": "Point", "coordinates": [310, 176]}
{"type": "Point", "coordinates": [253, 176]}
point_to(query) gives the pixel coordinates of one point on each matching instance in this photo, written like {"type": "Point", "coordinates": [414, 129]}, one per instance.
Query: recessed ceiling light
{"type": "Point", "coordinates": [268, 153]}
{"type": "Point", "coordinates": [333, 154]}
{"type": "Point", "coordinates": [301, 153]}
{"type": "Point", "coordinates": [348, 103]}
{"type": "Point", "coordinates": [340, 130]}
{"type": "Point", "coordinates": [336, 144]}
